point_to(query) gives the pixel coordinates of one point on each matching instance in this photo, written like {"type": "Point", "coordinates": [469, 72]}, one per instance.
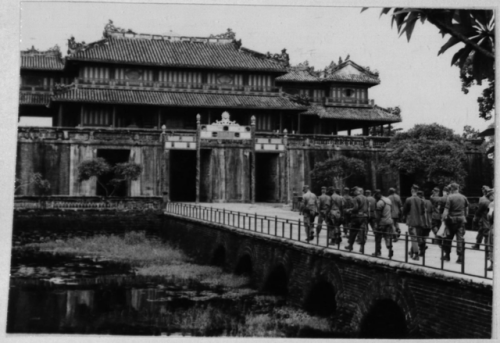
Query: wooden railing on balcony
{"type": "Point", "coordinates": [176, 85]}
{"type": "Point", "coordinates": [349, 101]}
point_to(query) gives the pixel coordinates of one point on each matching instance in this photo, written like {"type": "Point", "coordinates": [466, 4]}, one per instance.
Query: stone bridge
{"type": "Point", "coordinates": [364, 296]}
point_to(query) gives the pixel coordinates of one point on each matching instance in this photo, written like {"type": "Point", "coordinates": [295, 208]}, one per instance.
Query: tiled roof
{"type": "Point", "coordinates": [376, 113]}
{"type": "Point", "coordinates": [28, 98]}
{"type": "Point", "coordinates": [42, 60]}
{"type": "Point", "coordinates": [299, 75]}
{"type": "Point", "coordinates": [187, 99]}
{"type": "Point", "coordinates": [363, 75]}
{"type": "Point", "coordinates": [163, 52]}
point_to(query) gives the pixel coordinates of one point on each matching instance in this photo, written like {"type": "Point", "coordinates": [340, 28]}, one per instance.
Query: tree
{"type": "Point", "coordinates": [127, 171]}
{"type": "Point", "coordinates": [37, 179]}
{"type": "Point", "coordinates": [475, 29]}
{"type": "Point", "coordinates": [470, 132]}
{"type": "Point", "coordinates": [335, 172]}
{"type": "Point", "coordinates": [97, 167]}
{"type": "Point", "coordinates": [430, 152]}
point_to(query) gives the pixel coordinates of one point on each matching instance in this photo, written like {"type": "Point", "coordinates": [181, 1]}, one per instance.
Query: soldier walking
{"type": "Point", "coordinates": [372, 204]}
{"type": "Point", "coordinates": [455, 212]}
{"type": "Point", "coordinates": [414, 212]}
{"type": "Point", "coordinates": [337, 215]}
{"type": "Point", "coordinates": [426, 229]}
{"type": "Point", "coordinates": [481, 219]}
{"type": "Point", "coordinates": [359, 214]}
{"type": "Point", "coordinates": [348, 204]}
{"type": "Point", "coordinates": [309, 209]}
{"type": "Point", "coordinates": [396, 211]}
{"type": "Point", "coordinates": [324, 208]}
{"type": "Point", "coordinates": [437, 211]}
{"type": "Point", "coordinates": [384, 225]}
{"type": "Point", "coordinates": [491, 210]}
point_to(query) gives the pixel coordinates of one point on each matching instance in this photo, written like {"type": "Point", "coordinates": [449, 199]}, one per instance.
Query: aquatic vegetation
{"type": "Point", "coordinates": [134, 248]}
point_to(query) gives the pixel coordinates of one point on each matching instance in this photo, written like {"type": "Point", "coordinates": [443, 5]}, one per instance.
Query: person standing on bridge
{"type": "Point", "coordinates": [414, 213]}
{"type": "Point", "coordinates": [372, 204]}
{"type": "Point", "coordinates": [396, 211]}
{"type": "Point", "coordinates": [324, 208]}
{"type": "Point", "coordinates": [337, 215]}
{"type": "Point", "coordinates": [309, 209]}
{"type": "Point", "coordinates": [359, 214]}
{"type": "Point", "coordinates": [384, 225]}
{"type": "Point", "coordinates": [455, 213]}
{"type": "Point", "coordinates": [481, 219]}
{"type": "Point", "coordinates": [436, 201]}
{"type": "Point", "coordinates": [348, 204]}
{"type": "Point", "coordinates": [491, 210]}
{"type": "Point", "coordinates": [426, 229]}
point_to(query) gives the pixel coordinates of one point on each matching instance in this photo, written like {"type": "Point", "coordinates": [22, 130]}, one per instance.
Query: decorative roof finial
{"type": "Point", "coordinates": [282, 58]}
{"type": "Point", "coordinates": [230, 34]}
{"type": "Point", "coordinates": [110, 28]}
{"type": "Point", "coordinates": [74, 46]}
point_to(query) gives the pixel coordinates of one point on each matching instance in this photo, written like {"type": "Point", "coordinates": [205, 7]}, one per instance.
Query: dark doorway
{"type": "Point", "coordinates": [244, 266]}
{"type": "Point", "coordinates": [405, 182]}
{"type": "Point", "coordinates": [277, 282]}
{"type": "Point", "coordinates": [219, 258]}
{"type": "Point", "coordinates": [384, 320]}
{"type": "Point", "coordinates": [113, 157]}
{"type": "Point", "coordinates": [321, 299]}
{"type": "Point", "coordinates": [267, 177]}
{"type": "Point", "coordinates": [182, 175]}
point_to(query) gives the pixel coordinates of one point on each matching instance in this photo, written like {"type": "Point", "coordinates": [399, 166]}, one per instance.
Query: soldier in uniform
{"type": "Point", "coordinates": [372, 204]}
{"type": "Point", "coordinates": [348, 203]}
{"type": "Point", "coordinates": [359, 214]}
{"type": "Point", "coordinates": [455, 213]}
{"type": "Point", "coordinates": [384, 224]}
{"type": "Point", "coordinates": [426, 229]}
{"type": "Point", "coordinates": [491, 208]}
{"type": "Point", "coordinates": [396, 211]}
{"type": "Point", "coordinates": [436, 214]}
{"type": "Point", "coordinates": [414, 213]}
{"type": "Point", "coordinates": [337, 215]}
{"type": "Point", "coordinates": [324, 208]}
{"type": "Point", "coordinates": [481, 219]}
{"type": "Point", "coordinates": [309, 210]}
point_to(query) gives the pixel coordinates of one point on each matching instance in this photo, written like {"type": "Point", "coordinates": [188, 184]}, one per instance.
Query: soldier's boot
{"type": "Point", "coordinates": [422, 250]}
{"type": "Point", "coordinates": [362, 249]}
{"type": "Point", "coordinates": [446, 256]}
{"type": "Point", "coordinates": [348, 247]}
{"type": "Point", "coordinates": [391, 253]}
{"type": "Point", "coordinates": [376, 253]}
{"type": "Point", "coordinates": [460, 259]}
{"type": "Point", "coordinates": [476, 247]}
{"type": "Point", "coordinates": [490, 268]}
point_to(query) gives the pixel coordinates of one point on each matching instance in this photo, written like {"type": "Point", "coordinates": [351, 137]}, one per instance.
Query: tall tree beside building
{"type": "Point", "coordinates": [432, 153]}
{"type": "Point", "coordinates": [336, 171]}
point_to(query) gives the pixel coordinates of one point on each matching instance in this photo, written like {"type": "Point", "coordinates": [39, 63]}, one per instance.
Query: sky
{"type": "Point", "coordinates": [424, 85]}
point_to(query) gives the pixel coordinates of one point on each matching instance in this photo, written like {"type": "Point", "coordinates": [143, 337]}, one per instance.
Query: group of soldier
{"type": "Point", "coordinates": [356, 211]}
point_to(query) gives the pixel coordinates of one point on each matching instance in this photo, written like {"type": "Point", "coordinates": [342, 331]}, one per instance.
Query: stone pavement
{"type": "Point", "coordinates": [278, 219]}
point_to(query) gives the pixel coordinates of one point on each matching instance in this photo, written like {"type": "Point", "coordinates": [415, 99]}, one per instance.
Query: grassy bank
{"type": "Point", "coordinates": [149, 256]}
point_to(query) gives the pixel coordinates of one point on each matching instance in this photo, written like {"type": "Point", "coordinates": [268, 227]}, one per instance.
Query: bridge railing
{"type": "Point", "coordinates": [291, 229]}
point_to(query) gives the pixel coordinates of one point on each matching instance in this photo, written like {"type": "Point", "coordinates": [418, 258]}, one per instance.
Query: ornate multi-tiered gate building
{"type": "Point", "coordinates": [208, 119]}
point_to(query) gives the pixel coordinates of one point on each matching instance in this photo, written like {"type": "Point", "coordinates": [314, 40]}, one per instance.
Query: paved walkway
{"type": "Point", "coordinates": [280, 220]}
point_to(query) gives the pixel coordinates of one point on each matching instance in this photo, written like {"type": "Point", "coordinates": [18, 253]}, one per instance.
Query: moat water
{"type": "Point", "coordinates": [54, 293]}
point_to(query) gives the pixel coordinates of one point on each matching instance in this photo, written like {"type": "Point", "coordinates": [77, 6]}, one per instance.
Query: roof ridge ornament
{"type": "Point", "coordinates": [229, 34]}
{"type": "Point", "coordinates": [283, 58]}
{"type": "Point", "coordinates": [110, 28]}
{"type": "Point", "coordinates": [74, 46]}
{"type": "Point", "coordinates": [225, 120]}
{"type": "Point", "coordinates": [62, 88]}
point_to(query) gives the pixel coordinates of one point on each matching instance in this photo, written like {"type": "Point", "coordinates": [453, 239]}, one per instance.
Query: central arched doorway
{"type": "Point", "coordinates": [277, 282]}
{"type": "Point", "coordinates": [321, 299]}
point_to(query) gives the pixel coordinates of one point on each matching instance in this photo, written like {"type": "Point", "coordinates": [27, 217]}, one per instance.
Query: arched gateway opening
{"type": "Point", "coordinates": [277, 282]}
{"type": "Point", "coordinates": [219, 257]}
{"type": "Point", "coordinates": [244, 266]}
{"type": "Point", "coordinates": [321, 299]}
{"type": "Point", "coordinates": [385, 319]}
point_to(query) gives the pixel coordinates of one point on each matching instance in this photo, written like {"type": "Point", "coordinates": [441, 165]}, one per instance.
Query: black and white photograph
{"type": "Point", "coordinates": [249, 169]}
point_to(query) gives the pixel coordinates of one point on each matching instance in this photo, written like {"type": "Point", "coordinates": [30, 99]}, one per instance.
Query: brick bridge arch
{"type": "Point", "coordinates": [388, 293]}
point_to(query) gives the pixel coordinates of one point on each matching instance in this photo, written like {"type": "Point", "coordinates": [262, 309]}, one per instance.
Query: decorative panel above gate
{"type": "Point", "coordinates": [225, 129]}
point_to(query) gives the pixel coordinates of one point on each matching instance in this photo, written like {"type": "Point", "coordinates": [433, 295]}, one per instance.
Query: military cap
{"type": "Point", "coordinates": [435, 189]}
{"type": "Point", "coordinates": [346, 189]}
{"type": "Point", "coordinates": [415, 187]}
{"type": "Point", "coordinates": [446, 188]}
{"type": "Point", "coordinates": [368, 192]}
{"type": "Point", "coordinates": [490, 191]}
{"type": "Point", "coordinates": [420, 193]}
{"type": "Point", "coordinates": [454, 186]}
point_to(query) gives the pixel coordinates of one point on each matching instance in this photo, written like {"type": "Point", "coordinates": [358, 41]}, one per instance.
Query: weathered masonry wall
{"type": "Point", "coordinates": [225, 167]}
{"type": "Point", "coordinates": [434, 306]}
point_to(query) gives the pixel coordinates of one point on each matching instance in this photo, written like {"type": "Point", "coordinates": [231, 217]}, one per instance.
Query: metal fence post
{"type": "Point", "coordinates": [463, 256]}
{"type": "Point", "coordinates": [299, 229]}
{"type": "Point", "coordinates": [255, 223]}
